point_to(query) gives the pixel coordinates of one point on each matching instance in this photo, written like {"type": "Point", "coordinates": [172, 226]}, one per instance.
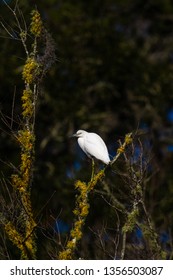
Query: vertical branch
{"type": "Point", "coordinates": [151, 236]}
{"type": "Point", "coordinates": [22, 234]}
{"type": "Point", "coordinates": [81, 212]}
{"type": "Point", "coordinates": [136, 176]}
{"type": "Point", "coordinates": [82, 205]}
{"type": "Point", "coordinates": [26, 136]}
{"type": "Point", "coordinates": [123, 245]}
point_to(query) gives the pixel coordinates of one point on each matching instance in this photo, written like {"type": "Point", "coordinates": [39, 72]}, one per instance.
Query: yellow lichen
{"type": "Point", "coordinates": [85, 210]}
{"type": "Point", "coordinates": [27, 104]}
{"type": "Point", "coordinates": [76, 233]}
{"type": "Point", "coordinates": [76, 212]}
{"type": "Point", "coordinates": [26, 139]}
{"type": "Point", "coordinates": [128, 138]}
{"type": "Point", "coordinates": [21, 181]}
{"type": "Point", "coordinates": [31, 246]}
{"type": "Point", "coordinates": [120, 150]}
{"type": "Point", "coordinates": [80, 185]}
{"type": "Point", "coordinates": [131, 220]}
{"type": "Point", "coordinates": [18, 183]}
{"type": "Point", "coordinates": [81, 211]}
{"type": "Point", "coordinates": [79, 223]}
{"type": "Point", "coordinates": [70, 245]}
{"type": "Point", "coordinates": [95, 180]}
{"type": "Point", "coordinates": [36, 24]}
{"type": "Point", "coordinates": [15, 237]}
{"type": "Point", "coordinates": [65, 255]}
{"type": "Point", "coordinates": [30, 70]}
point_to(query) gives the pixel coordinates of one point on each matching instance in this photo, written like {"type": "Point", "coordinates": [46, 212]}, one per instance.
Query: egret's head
{"type": "Point", "coordinates": [79, 133]}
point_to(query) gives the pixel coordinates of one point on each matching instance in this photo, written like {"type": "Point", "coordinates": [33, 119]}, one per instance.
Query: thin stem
{"type": "Point", "coordinates": [92, 173]}
{"type": "Point", "coordinates": [123, 246]}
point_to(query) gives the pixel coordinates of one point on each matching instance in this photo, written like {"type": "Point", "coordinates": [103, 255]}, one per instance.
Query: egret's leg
{"type": "Point", "coordinates": [92, 172]}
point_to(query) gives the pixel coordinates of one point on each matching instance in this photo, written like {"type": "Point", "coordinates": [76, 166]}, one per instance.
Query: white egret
{"type": "Point", "coordinates": [92, 145]}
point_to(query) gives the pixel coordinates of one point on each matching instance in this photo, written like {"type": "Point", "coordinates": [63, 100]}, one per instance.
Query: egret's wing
{"type": "Point", "coordinates": [95, 146]}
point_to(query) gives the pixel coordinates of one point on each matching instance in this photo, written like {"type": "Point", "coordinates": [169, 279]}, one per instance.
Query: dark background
{"type": "Point", "coordinates": [113, 75]}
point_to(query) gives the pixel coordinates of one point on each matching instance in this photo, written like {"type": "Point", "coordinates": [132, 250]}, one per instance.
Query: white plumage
{"type": "Point", "coordinates": [92, 145]}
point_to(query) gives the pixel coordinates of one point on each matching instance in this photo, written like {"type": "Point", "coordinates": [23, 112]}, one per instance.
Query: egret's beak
{"type": "Point", "coordinates": [73, 135]}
